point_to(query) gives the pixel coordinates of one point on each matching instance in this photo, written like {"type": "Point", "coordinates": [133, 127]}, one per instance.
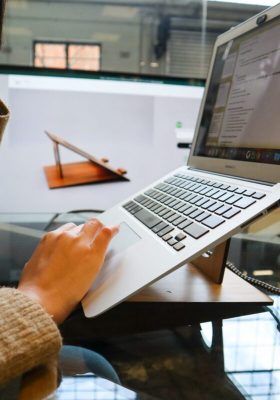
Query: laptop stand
{"type": "Point", "coordinates": [79, 173]}
{"type": "Point", "coordinates": [212, 263]}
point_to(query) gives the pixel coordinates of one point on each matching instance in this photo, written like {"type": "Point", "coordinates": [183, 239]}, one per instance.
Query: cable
{"type": "Point", "coordinates": [253, 281]}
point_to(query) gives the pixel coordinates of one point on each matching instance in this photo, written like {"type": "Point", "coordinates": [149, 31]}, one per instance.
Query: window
{"type": "Point", "coordinates": [67, 55]}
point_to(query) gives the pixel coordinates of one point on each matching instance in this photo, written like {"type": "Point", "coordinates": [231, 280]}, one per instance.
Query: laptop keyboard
{"type": "Point", "coordinates": [193, 205]}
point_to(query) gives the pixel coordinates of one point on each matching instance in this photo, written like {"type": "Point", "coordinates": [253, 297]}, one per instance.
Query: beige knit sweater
{"type": "Point", "coordinates": [28, 335]}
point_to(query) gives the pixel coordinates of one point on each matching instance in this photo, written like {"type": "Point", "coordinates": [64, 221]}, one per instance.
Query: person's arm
{"type": "Point", "coordinates": [56, 278]}
{"type": "Point", "coordinates": [28, 335]}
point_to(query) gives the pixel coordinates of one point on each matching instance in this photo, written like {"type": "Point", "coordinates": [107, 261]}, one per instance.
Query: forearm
{"type": "Point", "coordinates": [28, 335]}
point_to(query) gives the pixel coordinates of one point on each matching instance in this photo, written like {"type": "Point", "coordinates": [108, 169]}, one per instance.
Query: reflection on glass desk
{"type": "Point", "coordinates": [234, 358]}
{"type": "Point", "coordinates": [90, 386]}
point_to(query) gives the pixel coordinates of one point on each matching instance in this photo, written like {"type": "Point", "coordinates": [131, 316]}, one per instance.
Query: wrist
{"type": "Point", "coordinates": [35, 295]}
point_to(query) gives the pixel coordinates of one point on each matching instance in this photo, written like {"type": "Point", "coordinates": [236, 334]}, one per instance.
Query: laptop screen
{"type": "Point", "coordinates": [241, 117]}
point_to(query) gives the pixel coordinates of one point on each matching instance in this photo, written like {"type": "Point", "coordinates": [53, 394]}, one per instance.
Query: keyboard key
{"type": "Point", "coordinates": [224, 187]}
{"type": "Point", "coordinates": [195, 230]}
{"type": "Point", "coordinates": [160, 186]}
{"type": "Point", "coordinates": [222, 210]}
{"type": "Point", "coordinates": [201, 201]}
{"type": "Point", "coordinates": [178, 246]}
{"type": "Point", "coordinates": [202, 216]}
{"type": "Point", "coordinates": [231, 213]}
{"type": "Point", "coordinates": [147, 218]}
{"type": "Point", "coordinates": [232, 188]}
{"type": "Point", "coordinates": [210, 183]}
{"type": "Point", "coordinates": [208, 204]}
{"type": "Point", "coordinates": [173, 217]}
{"type": "Point", "coordinates": [184, 194]}
{"type": "Point", "coordinates": [170, 180]}
{"type": "Point", "coordinates": [179, 193]}
{"type": "Point", "coordinates": [189, 197]}
{"type": "Point", "coordinates": [211, 192]}
{"type": "Point", "coordinates": [131, 207]}
{"type": "Point", "coordinates": [163, 212]}
{"type": "Point", "coordinates": [173, 203]}
{"type": "Point", "coordinates": [244, 202]}
{"type": "Point", "coordinates": [183, 225]}
{"type": "Point", "coordinates": [205, 190]}
{"type": "Point", "coordinates": [169, 214]}
{"type": "Point", "coordinates": [169, 201]}
{"type": "Point", "coordinates": [226, 196]}
{"type": "Point", "coordinates": [149, 204]}
{"type": "Point", "coordinates": [233, 199]}
{"type": "Point", "coordinates": [135, 209]}
{"type": "Point", "coordinates": [140, 198]}
{"type": "Point", "coordinates": [178, 221]}
{"type": "Point", "coordinates": [172, 241]}
{"type": "Point", "coordinates": [249, 193]}
{"type": "Point", "coordinates": [157, 195]}
{"type": "Point", "coordinates": [159, 209]}
{"type": "Point", "coordinates": [190, 210]}
{"type": "Point", "coordinates": [159, 227]}
{"type": "Point", "coordinates": [155, 207]}
{"type": "Point", "coordinates": [240, 190]}
{"type": "Point", "coordinates": [176, 192]}
{"type": "Point", "coordinates": [129, 204]}
{"type": "Point", "coordinates": [162, 197]}
{"type": "Point", "coordinates": [180, 236]}
{"type": "Point", "coordinates": [195, 213]}
{"type": "Point", "coordinates": [166, 230]}
{"type": "Point", "coordinates": [178, 205]}
{"type": "Point", "coordinates": [217, 184]}
{"type": "Point", "coordinates": [149, 192]}
{"type": "Point", "coordinates": [218, 194]}
{"type": "Point", "coordinates": [194, 186]}
{"type": "Point", "coordinates": [198, 188]}
{"type": "Point", "coordinates": [215, 207]}
{"type": "Point", "coordinates": [213, 221]}
{"type": "Point", "coordinates": [195, 199]}
{"type": "Point", "coordinates": [258, 195]}
{"type": "Point", "coordinates": [184, 208]}
{"type": "Point", "coordinates": [167, 237]}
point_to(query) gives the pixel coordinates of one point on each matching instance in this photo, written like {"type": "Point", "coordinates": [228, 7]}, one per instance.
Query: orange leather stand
{"type": "Point", "coordinates": [79, 173]}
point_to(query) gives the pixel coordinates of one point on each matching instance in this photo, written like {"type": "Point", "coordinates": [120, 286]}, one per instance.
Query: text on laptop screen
{"type": "Point", "coordinates": [241, 118]}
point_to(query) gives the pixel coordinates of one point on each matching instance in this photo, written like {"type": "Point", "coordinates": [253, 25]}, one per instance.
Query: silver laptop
{"type": "Point", "coordinates": [232, 176]}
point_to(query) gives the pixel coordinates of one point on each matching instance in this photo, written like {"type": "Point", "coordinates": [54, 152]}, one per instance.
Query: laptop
{"type": "Point", "coordinates": [232, 176]}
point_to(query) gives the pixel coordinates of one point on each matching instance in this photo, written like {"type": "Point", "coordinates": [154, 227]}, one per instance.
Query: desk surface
{"type": "Point", "coordinates": [186, 288]}
{"type": "Point", "coordinates": [234, 358]}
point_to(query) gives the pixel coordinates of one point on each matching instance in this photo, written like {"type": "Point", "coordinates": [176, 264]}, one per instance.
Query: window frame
{"type": "Point", "coordinates": [67, 44]}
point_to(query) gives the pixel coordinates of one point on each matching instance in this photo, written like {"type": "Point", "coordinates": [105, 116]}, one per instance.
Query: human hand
{"type": "Point", "coordinates": [64, 265]}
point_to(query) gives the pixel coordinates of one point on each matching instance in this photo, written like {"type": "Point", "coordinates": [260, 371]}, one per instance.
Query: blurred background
{"type": "Point", "coordinates": [158, 37]}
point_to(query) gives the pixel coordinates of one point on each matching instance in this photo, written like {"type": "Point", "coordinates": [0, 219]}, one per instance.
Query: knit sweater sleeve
{"type": "Point", "coordinates": [28, 335]}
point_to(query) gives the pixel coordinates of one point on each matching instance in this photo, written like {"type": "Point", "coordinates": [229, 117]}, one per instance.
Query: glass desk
{"type": "Point", "coordinates": [224, 358]}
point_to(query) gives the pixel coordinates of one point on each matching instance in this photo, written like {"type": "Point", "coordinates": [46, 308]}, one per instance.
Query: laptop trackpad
{"type": "Point", "coordinates": [124, 239]}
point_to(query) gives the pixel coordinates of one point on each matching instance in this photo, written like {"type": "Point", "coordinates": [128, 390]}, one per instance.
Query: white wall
{"type": "Point", "coordinates": [132, 124]}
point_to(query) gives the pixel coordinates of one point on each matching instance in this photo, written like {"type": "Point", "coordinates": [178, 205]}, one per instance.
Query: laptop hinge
{"type": "Point", "coordinates": [239, 178]}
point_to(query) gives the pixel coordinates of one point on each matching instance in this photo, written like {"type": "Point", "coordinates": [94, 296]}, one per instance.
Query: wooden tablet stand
{"type": "Point", "coordinates": [79, 173]}
{"type": "Point", "coordinates": [212, 263]}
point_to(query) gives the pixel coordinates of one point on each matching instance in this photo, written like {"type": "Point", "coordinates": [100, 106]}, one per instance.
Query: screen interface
{"type": "Point", "coordinates": [241, 118]}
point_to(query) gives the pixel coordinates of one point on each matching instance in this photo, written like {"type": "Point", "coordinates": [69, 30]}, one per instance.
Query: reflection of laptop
{"type": "Point", "coordinates": [231, 177]}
